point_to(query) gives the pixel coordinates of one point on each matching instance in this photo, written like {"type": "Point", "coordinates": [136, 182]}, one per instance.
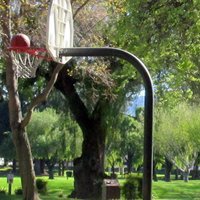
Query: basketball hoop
{"type": "Point", "coordinates": [25, 58]}
{"type": "Point", "coordinates": [59, 35]}
{"type": "Point", "coordinates": [59, 29]}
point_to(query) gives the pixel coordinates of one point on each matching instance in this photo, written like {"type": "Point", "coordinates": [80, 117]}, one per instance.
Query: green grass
{"type": "Point", "coordinates": [177, 190]}
{"type": "Point", "coordinates": [61, 187]}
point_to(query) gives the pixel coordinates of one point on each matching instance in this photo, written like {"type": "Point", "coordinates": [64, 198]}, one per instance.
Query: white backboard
{"type": "Point", "coordinates": [59, 29]}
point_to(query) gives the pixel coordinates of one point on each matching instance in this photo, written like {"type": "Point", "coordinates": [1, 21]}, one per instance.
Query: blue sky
{"type": "Point", "coordinates": [137, 102]}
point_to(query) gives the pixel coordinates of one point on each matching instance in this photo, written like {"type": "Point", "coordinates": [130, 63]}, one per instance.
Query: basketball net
{"type": "Point", "coordinates": [26, 58]}
{"type": "Point", "coordinates": [26, 64]}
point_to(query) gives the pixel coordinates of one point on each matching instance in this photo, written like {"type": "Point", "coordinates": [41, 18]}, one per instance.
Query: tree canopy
{"type": "Point", "coordinates": [176, 136]}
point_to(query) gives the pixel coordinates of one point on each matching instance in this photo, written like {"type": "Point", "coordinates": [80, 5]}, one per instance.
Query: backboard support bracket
{"type": "Point", "coordinates": [149, 101]}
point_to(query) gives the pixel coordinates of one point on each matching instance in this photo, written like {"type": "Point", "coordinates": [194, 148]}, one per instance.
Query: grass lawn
{"type": "Point", "coordinates": [60, 188]}
{"type": "Point", "coordinates": [177, 190]}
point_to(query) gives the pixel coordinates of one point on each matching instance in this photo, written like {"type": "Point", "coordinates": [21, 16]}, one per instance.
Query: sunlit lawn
{"type": "Point", "coordinates": [60, 188]}
{"type": "Point", "coordinates": [177, 190]}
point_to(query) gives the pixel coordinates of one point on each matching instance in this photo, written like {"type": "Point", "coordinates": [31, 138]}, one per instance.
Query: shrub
{"type": "Point", "coordinates": [41, 185]}
{"type": "Point", "coordinates": [132, 188]}
{"type": "Point", "coordinates": [60, 195]}
{"type": "Point", "coordinates": [2, 191]}
{"type": "Point", "coordinates": [69, 174]}
{"type": "Point", "coordinates": [18, 191]}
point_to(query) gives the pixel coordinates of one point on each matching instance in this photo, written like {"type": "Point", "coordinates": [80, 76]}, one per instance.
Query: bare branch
{"type": "Point", "coordinates": [77, 11]}
{"type": "Point", "coordinates": [41, 97]}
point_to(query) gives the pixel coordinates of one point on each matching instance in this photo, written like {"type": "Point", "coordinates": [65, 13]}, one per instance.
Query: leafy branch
{"type": "Point", "coordinates": [41, 97]}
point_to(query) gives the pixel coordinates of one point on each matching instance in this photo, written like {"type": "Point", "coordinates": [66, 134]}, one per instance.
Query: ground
{"type": "Point", "coordinates": [60, 187]}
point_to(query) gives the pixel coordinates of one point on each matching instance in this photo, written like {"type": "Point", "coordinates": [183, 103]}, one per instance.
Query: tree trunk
{"type": "Point", "coordinates": [155, 178]}
{"type": "Point", "coordinates": [59, 167]}
{"type": "Point", "coordinates": [37, 167]}
{"type": "Point", "coordinates": [25, 165]}
{"type": "Point", "coordinates": [63, 168]}
{"type": "Point", "coordinates": [89, 167]}
{"type": "Point", "coordinates": [42, 166]}
{"type": "Point", "coordinates": [50, 164]}
{"type": "Point", "coordinates": [51, 174]}
{"type": "Point", "coordinates": [168, 168]}
{"type": "Point", "coordinates": [20, 138]}
{"type": "Point", "coordinates": [186, 174]}
{"type": "Point", "coordinates": [177, 173]}
{"type": "Point", "coordinates": [14, 166]}
{"type": "Point", "coordinates": [195, 172]}
{"type": "Point", "coordinates": [130, 162]}
{"type": "Point", "coordinates": [113, 169]}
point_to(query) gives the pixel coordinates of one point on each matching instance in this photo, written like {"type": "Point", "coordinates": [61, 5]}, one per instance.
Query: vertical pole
{"type": "Point", "coordinates": [148, 115]}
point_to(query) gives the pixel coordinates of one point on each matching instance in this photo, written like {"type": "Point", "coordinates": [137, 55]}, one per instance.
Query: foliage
{"type": "Point", "coordinates": [2, 191]}
{"type": "Point", "coordinates": [18, 191]}
{"type": "Point", "coordinates": [7, 148]}
{"type": "Point", "coordinates": [132, 137]}
{"type": "Point", "coordinates": [165, 35]}
{"type": "Point", "coordinates": [132, 187]}
{"type": "Point", "coordinates": [176, 135]}
{"type": "Point", "coordinates": [53, 135]}
{"type": "Point", "coordinates": [4, 121]}
{"type": "Point", "coordinates": [124, 141]}
{"type": "Point", "coordinates": [41, 185]}
{"type": "Point", "coordinates": [43, 133]}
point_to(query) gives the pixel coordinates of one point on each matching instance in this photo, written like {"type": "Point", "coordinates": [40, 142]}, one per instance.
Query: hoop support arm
{"type": "Point", "coordinates": [148, 113]}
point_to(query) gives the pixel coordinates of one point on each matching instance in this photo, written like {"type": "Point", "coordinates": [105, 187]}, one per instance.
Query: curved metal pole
{"type": "Point", "coordinates": [148, 115]}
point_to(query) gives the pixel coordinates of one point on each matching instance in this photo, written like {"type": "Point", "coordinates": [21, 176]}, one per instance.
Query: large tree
{"type": "Point", "coordinates": [165, 35]}
{"type": "Point", "coordinates": [91, 97]}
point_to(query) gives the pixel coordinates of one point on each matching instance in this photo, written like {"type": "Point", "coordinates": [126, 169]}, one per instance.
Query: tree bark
{"type": "Point", "coordinates": [195, 172]}
{"type": "Point", "coordinates": [155, 178]}
{"type": "Point", "coordinates": [89, 167]}
{"type": "Point", "coordinates": [168, 168]}
{"type": "Point", "coordinates": [25, 165]}
{"type": "Point", "coordinates": [176, 173]}
{"type": "Point", "coordinates": [185, 176]}
{"type": "Point", "coordinates": [130, 162]}
{"type": "Point", "coordinates": [63, 168]}
{"type": "Point", "coordinates": [20, 139]}
{"type": "Point", "coordinates": [14, 166]}
{"type": "Point", "coordinates": [50, 164]}
{"type": "Point", "coordinates": [42, 166]}
{"type": "Point", "coordinates": [59, 167]}
{"type": "Point", "coordinates": [37, 168]}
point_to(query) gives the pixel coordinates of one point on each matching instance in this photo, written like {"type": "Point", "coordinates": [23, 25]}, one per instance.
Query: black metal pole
{"type": "Point", "coordinates": [148, 116]}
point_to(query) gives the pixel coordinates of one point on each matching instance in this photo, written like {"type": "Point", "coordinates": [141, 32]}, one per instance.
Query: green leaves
{"type": "Point", "coordinates": [52, 135]}
{"type": "Point", "coordinates": [165, 35]}
{"type": "Point", "coordinates": [177, 134]}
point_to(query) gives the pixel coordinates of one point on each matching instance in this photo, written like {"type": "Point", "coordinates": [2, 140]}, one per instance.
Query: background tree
{"type": "Point", "coordinates": [44, 135]}
{"type": "Point", "coordinates": [7, 150]}
{"type": "Point", "coordinates": [175, 138]}
{"type": "Point", "coordinates": [158, 32]}
{"type": "Point", "coordinates": [131, 142]}
{"type": "Point", "coordinates": [50, 138]}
